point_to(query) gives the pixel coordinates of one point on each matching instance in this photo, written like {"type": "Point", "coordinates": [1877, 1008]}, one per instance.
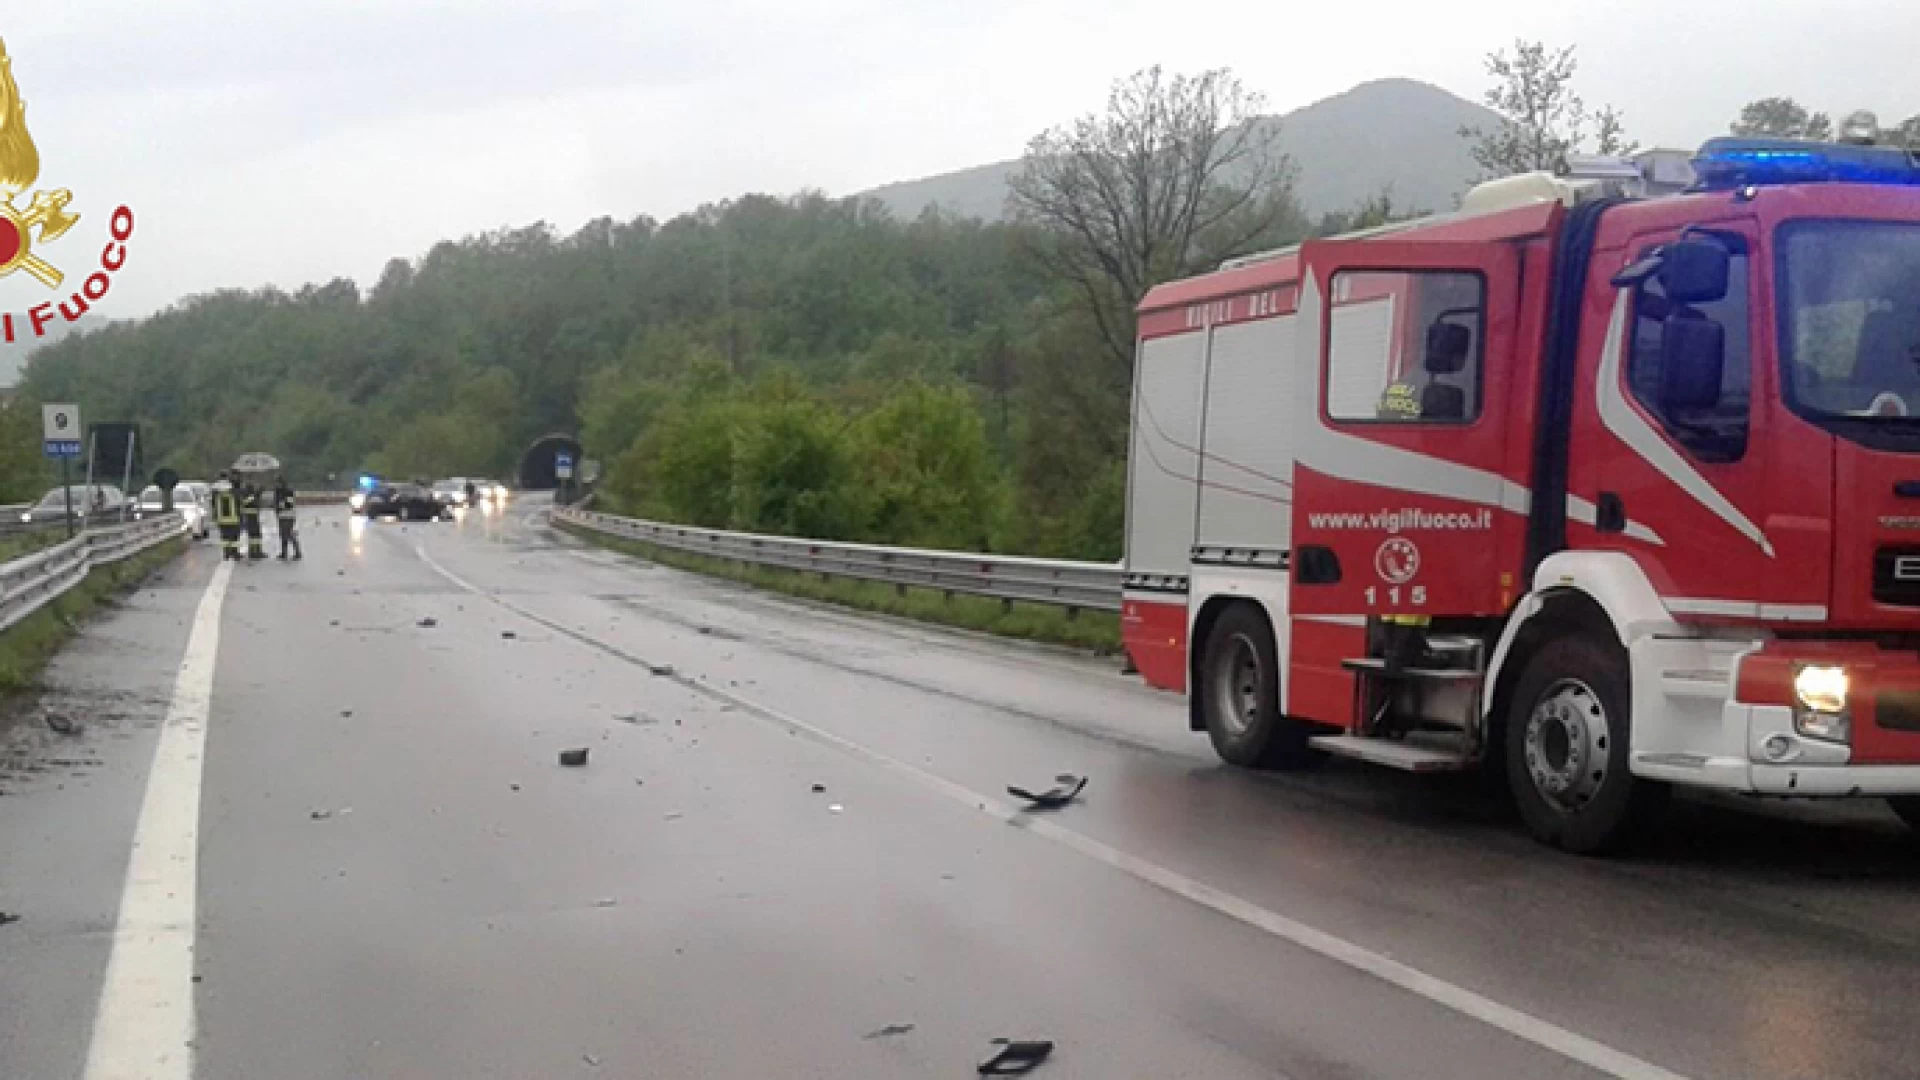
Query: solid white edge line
{"type": "Point", "coordinates": [144, 1027]}
{"type": "Point", "coordinates": [1521, 1025]}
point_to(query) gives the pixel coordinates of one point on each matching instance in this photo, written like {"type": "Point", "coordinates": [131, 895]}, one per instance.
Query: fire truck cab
{"type": "Point", "coordinates": [1605, 493]}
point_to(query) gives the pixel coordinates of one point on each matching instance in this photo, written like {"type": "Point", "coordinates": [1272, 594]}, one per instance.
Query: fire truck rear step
{"type": "Point", "coordinates": [1395, 753]}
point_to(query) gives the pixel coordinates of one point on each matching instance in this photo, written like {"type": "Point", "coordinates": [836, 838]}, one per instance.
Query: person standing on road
{"type": "Point", "coordinates": [226, 514]}
{"type": "Point", "coordinates": [285, 515]}
{"type": "Point", "coordinates": [250, 512]}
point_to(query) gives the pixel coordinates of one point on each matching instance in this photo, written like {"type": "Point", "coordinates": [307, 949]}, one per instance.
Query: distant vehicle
{"type": "Point", "coordinates": [101, 498]}
{"type": "Point", "coordinates": [459, 490]}
{"type": "Point", "coordinates": [185, 503]}
{"type": "Point", "coordinates": [408, 502]}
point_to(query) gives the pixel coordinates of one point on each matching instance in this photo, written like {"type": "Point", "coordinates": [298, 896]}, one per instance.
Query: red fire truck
{"type": "Point", "coordinates": [1604, 493]}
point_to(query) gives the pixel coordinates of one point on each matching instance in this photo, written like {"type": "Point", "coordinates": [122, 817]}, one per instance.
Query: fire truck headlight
{"type": "Point", "coordinates": [1822, 711]}
{"type": "Point", "coordinates": [1821, 689]}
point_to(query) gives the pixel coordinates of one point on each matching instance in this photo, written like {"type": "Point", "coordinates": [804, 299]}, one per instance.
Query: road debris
{"type": "Point", "coordinates": [574, 759]}
{"type": "Point", "coordinates": [835, 808]}
{"type": "Point", "coordinates": [889, 1031]}
{"type": "Point", "coordinates": [605, 901]}
{"type": "Point", "coordinates": [333, 622]}
{"type": "Point", "coordinates": [508, 635]}
{"type": "Point", "coordinates": [346, 713]}
{"type": "Point", "coordinates": [590, 1060]}
{"type": "Point", "coordinates": [675, 816]}
{"type": "Point", "coordinates": [320, 815]}
{"type": "Point", "coordinates": [1016, 1057]}
{"type": "Point", "coordinates": [428, 622]}
{"type": "Point", "coordinates": [513, 787]}
{"type": "Point", "coordinates": [660, 669]}
{"type": "Point", "coordinates": [63, 724]}
{"type": "Point", "coordinates": [819, 788]}
{"type": "Point", "coordinates": [1053, 798]}
{"type": "Point", "coordinates": [9, 917]}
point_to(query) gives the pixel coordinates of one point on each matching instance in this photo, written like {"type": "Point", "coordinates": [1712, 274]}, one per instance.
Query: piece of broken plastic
{"type": "Point", "coordinates": [573, 759]}
{"type": "Point", "coordinates": [1051, 799]}
{"type": "Point", "coordinates": [1016, 1057]}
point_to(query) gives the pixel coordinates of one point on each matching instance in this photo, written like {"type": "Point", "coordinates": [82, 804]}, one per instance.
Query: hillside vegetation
{"type": "Point", "coordinates": [797, 365]}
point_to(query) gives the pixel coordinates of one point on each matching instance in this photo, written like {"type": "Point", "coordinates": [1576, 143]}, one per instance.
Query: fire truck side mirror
{"type": "Point", "coordinates": [1694, 271]}
{"type": "Point", "coordinates": [1693, 352]}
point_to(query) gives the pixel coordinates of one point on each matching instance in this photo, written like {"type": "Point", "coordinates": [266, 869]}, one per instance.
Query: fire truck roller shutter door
{"type": "Point", "coordinates": [1164, 457]}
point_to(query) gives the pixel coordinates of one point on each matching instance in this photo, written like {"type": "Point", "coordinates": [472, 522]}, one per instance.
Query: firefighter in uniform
{"type": "Point", "coordinates": [226, 515]}
{"type": "Point", "coordinates": [250, 513]}
{"type": "Point", "coordinates": [285, 515]}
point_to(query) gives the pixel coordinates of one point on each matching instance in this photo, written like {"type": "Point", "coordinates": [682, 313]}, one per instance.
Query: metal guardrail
{"type": "Point", "coordinates": [27, 583]}
{"type": "Point", "coordinates": [1057, 582]}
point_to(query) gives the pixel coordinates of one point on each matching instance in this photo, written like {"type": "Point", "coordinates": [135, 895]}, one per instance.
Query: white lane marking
{"type": "Point", "coordinates": [1521, 1025]}
{"type": "Point", "coordinates": [144, 1028]}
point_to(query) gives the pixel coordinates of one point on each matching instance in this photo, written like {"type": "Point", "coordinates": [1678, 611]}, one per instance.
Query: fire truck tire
{"type": "Point", "coordinates": [1567, 748]}
{"type": "Point", "coordinates": [1907, 809]}
{"type": "Point", "coordinates": [1240, 695]}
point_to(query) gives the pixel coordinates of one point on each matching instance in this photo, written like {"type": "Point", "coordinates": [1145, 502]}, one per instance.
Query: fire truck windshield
{"type": "Point", "coordinates": [1850, 332]}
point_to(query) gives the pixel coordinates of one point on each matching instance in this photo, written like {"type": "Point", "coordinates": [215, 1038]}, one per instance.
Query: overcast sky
{"type": "Point", "coordinates": [261, 142]}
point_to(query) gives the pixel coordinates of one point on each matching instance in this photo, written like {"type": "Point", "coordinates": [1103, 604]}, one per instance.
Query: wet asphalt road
{"type": "Point", "coordinates": [687, 905]}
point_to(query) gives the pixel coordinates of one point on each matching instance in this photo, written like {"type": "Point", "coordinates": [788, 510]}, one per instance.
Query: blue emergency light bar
{"type": "Point", "coordinates": [1732, 162]}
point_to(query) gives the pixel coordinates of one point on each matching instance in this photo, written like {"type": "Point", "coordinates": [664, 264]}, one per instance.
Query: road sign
{"type": "Point", "coordinates": [60, 430]}
{"type": "Point", "coordinates": [563, 465]}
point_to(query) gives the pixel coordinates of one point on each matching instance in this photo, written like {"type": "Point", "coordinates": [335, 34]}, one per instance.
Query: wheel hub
{"type": "Point", "coordinates": [1566, 744]}
{"type": "Point", "coordinates": [1236, 688]}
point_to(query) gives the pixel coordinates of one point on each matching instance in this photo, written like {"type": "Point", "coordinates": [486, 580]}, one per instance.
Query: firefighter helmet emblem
{"type": "Point", "coordinates": [46, 212]}
{"type": "Point", "coordinates": [1397, 560]}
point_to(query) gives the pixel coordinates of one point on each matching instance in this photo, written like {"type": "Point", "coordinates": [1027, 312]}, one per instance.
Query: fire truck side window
{"type": "Point", "coordinates": [1718, 432]}
{"type": "Point", "coordinates": [1403, 346]}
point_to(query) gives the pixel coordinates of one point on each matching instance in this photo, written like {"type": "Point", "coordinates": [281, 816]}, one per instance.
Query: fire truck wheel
{"type": "Point", "coordinates": [1240, 694]}
{"type": "Point", "coordinates": [1567, 748]}
{"type": "Point", "coordinates": [1907, 808]}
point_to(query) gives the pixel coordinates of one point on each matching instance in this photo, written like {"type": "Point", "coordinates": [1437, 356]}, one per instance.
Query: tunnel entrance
{"type": "Point", "coordinates": [536, 463]}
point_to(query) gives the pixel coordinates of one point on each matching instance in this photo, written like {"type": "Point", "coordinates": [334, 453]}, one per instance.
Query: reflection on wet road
{"type": "Point", "coordinates": [790, 853]}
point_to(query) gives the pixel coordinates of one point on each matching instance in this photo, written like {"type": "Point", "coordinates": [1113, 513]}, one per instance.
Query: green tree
{"type": "Point", "coordinates": [926, 477]}
{"type": "Point", "coordinates": [1782, 117]}
{"type": "Point", "coordinates": [24, 475]}
{"type": "Point", "coordinates": [792, 469]}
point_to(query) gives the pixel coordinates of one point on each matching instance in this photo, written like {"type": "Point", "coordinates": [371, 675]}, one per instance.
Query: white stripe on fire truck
{"type": "Point", "coordinates": [1631, 429]}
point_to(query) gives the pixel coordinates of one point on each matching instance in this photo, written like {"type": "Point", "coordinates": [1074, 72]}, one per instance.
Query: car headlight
{"type": "Point", "coordinates": [1821, 712]}
{"type": "Point", "coordinates": [356, 501]}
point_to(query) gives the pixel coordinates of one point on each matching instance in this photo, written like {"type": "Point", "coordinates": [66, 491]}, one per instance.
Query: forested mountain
{"type": "Point", "coordinates": [1395, 134]}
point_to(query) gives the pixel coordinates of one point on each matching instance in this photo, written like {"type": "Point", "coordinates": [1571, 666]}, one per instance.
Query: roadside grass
{"type": "Point", "coordinates": [26, 647]}
{"type": "Point", "coordinates": [1095, 630]}
{"type": "Point", "coordinates": [12, 547]}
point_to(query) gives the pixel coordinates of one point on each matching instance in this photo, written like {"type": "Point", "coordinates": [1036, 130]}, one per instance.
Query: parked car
{"type": "Point", "coordinates": [185, 503]}
{"type": "Point", "coordinates": [97, 499]}
{"type": "Point", "coordinates": [408, 502]}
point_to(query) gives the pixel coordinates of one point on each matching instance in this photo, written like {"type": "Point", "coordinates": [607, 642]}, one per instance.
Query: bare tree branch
{"type": "Point", "coordinates": [1177, 173]}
